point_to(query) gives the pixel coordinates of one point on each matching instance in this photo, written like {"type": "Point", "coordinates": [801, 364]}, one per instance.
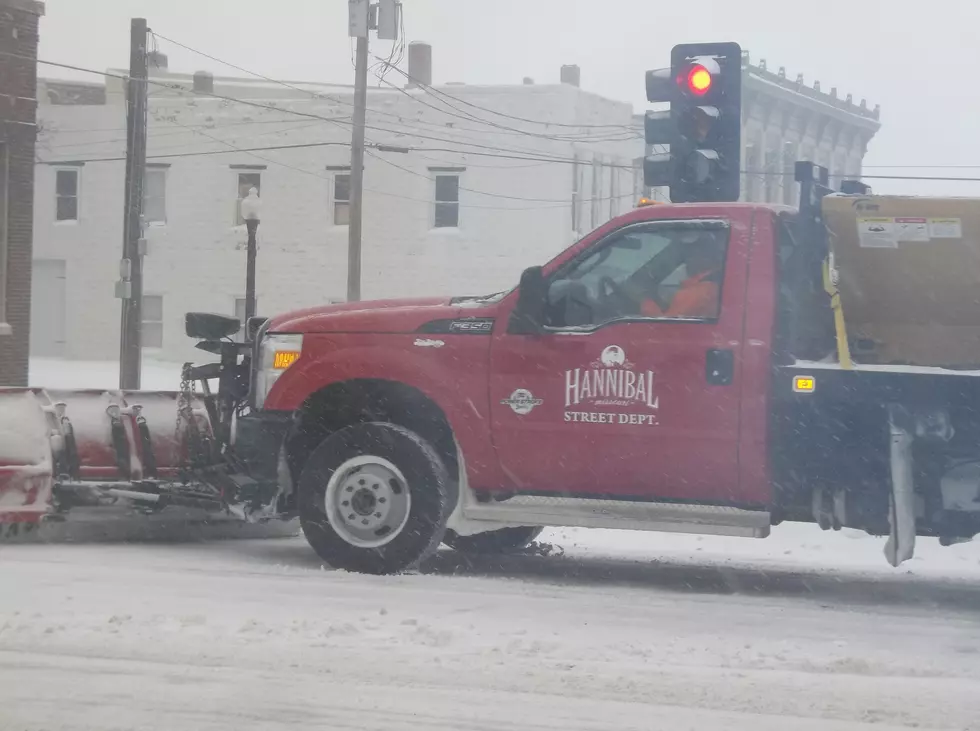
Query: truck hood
{"type": "Point", "coordinates": [377, 316]}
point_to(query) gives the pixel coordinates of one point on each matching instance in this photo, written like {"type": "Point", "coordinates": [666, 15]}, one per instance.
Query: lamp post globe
{"type": "Point", "coordinates": [251, 206]}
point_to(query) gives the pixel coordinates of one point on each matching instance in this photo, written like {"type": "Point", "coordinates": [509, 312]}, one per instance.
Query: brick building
{"type": "Point", "coordinates": [18, 83]}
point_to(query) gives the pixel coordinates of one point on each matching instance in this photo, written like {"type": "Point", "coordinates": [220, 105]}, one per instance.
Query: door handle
{"type": "Point", "coordinates": [720, 367]}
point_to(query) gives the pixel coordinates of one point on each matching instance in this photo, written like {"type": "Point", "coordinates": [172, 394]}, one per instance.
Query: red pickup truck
{"type": "Point", "coordinates": [557, 403]}
{"type": "Point", "coordinates": [676, 370]}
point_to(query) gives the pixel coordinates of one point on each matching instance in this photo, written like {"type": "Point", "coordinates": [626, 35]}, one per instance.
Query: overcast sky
{"type": "Point", "coordinates": [914, 59]}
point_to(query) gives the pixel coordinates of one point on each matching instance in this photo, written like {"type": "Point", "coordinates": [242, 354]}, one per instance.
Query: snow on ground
{"type": "Point", "coordinates": [625, 631]}
{"type": "Point", "coordinates": [807, 629]}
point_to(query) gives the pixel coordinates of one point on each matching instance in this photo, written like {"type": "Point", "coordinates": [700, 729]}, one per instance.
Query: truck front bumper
{"type": "Point", "coordinates": [259, 439]}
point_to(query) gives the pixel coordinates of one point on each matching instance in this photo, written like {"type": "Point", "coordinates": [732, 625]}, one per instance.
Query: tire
{"type": "Point", "coordinates": [394, 486]}
{"type": "Point", "coordinates": [504, 540]}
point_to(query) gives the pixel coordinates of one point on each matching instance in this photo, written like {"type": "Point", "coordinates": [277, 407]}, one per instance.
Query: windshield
{"type": "Point", "coordinates": [532, 365]}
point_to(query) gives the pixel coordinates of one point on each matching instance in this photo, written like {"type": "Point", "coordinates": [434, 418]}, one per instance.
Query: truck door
{"type": "Point", "coordinates": [633, 387]}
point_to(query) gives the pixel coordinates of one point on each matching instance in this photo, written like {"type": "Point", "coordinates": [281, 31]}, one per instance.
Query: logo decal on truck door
{"type": "Point", "coordinates": [612, 391]}
{"type": "Point", "coordinates": [522, 402]}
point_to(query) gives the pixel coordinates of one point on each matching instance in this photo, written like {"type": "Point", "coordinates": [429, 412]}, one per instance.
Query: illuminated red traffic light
{"type": "Point", "coordinates": [698, 80]}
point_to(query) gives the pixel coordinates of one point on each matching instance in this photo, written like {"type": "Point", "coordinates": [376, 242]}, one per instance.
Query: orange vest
{"type": "Point", "coordinates": [696, 297]}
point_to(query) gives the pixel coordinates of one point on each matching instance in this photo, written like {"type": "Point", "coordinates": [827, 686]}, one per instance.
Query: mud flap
{"type": "Point", "coordinates": [901, 500]}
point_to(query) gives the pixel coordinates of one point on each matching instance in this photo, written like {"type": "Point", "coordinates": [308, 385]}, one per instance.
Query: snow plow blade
{"type": "Point", "coordinates": [60, 449]}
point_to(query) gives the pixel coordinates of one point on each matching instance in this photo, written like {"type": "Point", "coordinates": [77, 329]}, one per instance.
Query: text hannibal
{"type": "Point", "coordinates": [610, 387]}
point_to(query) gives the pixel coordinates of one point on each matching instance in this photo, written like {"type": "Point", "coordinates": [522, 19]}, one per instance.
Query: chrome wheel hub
{"type": "Point", "coordinates": [367, 501]}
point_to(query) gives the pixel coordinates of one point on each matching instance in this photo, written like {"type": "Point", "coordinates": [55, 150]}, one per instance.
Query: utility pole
{"type": "Point", "coordinates": [357, 172]}
{"type": "Point", "coordinates": [383, 16]}
{"type": "Point", "coordinates": [130, 287]}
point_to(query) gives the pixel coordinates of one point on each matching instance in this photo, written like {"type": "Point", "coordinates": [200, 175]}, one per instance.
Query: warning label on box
{"type": "Point", "coordinates": [877, 233]}
{"type": "Point", "coordinates": [945, 228]}
{"type": "Point", "coordinates": [911, 229]}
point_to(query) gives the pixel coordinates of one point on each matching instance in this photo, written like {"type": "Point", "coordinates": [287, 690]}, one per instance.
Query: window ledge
{"type": "Point", "coordinates": [445, 229]}
{"type": "Point", "coordinates": [67, 222]}
{"type": "Point", "coordinates": [5, 330]}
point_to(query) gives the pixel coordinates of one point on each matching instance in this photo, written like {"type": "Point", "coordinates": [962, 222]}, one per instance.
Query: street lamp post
{"type": "Point", "coordinates": [250, 212]}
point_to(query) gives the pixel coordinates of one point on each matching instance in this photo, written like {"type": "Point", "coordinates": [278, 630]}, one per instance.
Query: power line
{"type": "Point", "coordinates": [377, 146]}
{"type": "Point", "coordinates": [172, 87]}
{"type": "Point", "coordinates": [286, 84]}
{"type": "Point", "coordinates": [470, 118]}
{"type": "Point", "coordinates": [921, 167]}
{"type": "Point", "coordinates": [543, 160]}
{"type": "Point", "coordinates": [94, 130]}
{"type": "Point", "coordinates": [870, 177]}
{"type": "Point", "coordinates": [529, 155]}
{"type": "Point", "coordinates": [232, 148]}
{"type": "Point", "coordinates": [319, 95]}
{"type": "Point", "coordinates": [204, 153]}
{"type": "Point", "coordinates": [176, 133]}
{"type": "Point", "coordinates": [493, 195]}
{"type": "Point", "coordinates": [251, 151]}
{"type": "Point", "coordinates": [467, 116]}
{"type": "Point", "coordinates": [502, 114]}
{"type": "Point", "coordinates": [270, 107]}
{"type": "Point", "coordinates": [470, 164]}
{"type": "Point", "coordinates": [338, 121]}
{"type": "Point", "coordinates": [387, 64]}
{"type": "Point", "coordinates": [253, 73]}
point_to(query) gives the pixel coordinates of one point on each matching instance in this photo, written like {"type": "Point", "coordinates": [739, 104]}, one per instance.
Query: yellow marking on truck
{"type": "Point", "coordinates": [804, 384]}
{"type": "Point", "coordinates": [284, 358]}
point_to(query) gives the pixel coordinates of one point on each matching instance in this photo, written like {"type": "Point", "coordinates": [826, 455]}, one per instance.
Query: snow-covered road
{"type": "Point", "coordinates": [625, 631]}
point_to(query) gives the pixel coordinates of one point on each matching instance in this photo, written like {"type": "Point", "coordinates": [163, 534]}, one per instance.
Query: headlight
{"type": "Point", "coordinates": [276, 353]}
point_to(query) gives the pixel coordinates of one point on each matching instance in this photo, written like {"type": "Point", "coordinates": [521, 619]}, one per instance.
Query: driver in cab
{"type": "Point", "coordinates": [699, 294]}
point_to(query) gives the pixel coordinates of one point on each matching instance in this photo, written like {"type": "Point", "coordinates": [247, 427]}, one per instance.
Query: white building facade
{"type": "Point", "coordinates": [786, 120]}
{"type": "Point", "coordinates": [464, 187]}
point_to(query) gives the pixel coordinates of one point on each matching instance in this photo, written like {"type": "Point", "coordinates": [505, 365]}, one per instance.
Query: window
{"type": "Point", "coordinates": [152, 321]}
{"type": "Point", "coordinates": [341, 199]}
{"type": "Point", "coordinates": [155, 195]}
{"type": "Point", "coordinates": [246, 181]}
{"type": "Point", "coordinates": [644, 271]}
{"type": "Point", "coordinates": [66, 193]}
{"type": "Point", "coordinates": [447, 201]}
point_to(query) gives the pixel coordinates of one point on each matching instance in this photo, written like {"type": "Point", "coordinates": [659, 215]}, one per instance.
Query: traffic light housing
{"type": "Point", "coordinates": [703, 126]}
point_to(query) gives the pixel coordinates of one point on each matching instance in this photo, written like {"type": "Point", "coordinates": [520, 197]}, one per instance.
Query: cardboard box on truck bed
{"type": "Point", "coordinates": [909, 277]}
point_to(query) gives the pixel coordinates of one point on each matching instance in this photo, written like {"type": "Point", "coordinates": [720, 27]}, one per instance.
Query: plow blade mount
{"type": "Point", "coordinates": [60, 449]}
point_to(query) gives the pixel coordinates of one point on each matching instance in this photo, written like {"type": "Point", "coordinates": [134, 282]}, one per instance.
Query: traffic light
{"type": "Point", "coordinates": [703, 126]}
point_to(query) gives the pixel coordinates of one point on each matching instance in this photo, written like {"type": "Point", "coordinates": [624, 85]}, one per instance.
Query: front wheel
{"type": "Point", "coordinates": [504, 540]}
{"type": "Point", "coordinates": [373, 499]}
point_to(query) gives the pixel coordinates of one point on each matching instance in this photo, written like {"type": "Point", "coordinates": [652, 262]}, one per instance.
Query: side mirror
{"type": "Point", "coordinates": [532, 299]}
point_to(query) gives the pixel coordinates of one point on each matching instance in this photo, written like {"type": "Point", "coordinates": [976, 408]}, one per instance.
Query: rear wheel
{"type": "Point", "coordinates": [373, 499]}
{"type": "Point", "coordinates": [504, 540]}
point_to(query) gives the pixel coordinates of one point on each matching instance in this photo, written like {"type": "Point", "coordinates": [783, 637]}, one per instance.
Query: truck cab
{"type": "Point", "coordinates": [582, 385]}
